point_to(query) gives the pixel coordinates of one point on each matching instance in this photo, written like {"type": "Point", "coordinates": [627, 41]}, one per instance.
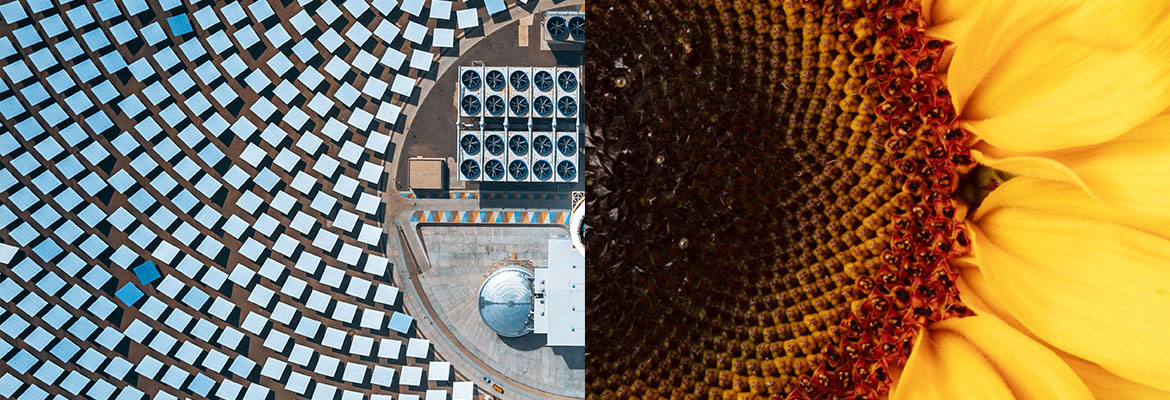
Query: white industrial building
{"type": "Point", "coordinates": [559, 308]}
{"type": "Point", "coordinates": [515, 301]}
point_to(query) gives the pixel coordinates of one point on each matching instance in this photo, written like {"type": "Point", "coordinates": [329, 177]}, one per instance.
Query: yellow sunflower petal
{"type": "Point", "coordinates": [1130, 172]}
{"type": "Point", "coordinates": [1085, 278]}
{"type": "Point", "coordinates": [1104, 385]}
{"type": "Point", "coordinates": [976, 294]}
{"type": "Point", "coordinates": [1107, 386]}
{"type": "Point", "coordinates": [1051, 74]}
{"type": "Point", "coordinates": [982, 358]}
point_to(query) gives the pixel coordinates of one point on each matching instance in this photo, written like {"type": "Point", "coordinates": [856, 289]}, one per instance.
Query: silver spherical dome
{"type": "Point", "coordinates": [505, 301]}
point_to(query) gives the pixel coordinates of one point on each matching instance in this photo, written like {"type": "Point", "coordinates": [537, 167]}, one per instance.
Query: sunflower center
{"type": "Point", "coordinates": [774, 186]}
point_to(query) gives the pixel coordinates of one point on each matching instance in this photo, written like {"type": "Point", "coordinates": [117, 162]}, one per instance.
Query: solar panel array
{"type": "Point", "coordinates": [190, 198]}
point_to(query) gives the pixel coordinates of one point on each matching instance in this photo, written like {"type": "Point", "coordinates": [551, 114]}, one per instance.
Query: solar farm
{"type": "Point", "coordinates": [198, 200]}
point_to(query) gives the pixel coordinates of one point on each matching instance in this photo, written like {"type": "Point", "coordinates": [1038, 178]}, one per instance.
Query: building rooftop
{"type": "Point", "coordinates": [426, 173]}
{"type": "Point", "coordinates": [562, 314]}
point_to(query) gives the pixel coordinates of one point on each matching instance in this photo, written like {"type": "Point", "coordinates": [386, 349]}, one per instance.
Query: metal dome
{"type": "Point", "coordinates": [542, 105]}
{"type": "Point", "coordinates": [519, 80]}
{"type": "Point", "coordinates": [542, 145]}
{"type": "Point", "coordinates": [557, 27]}
{"type": "Point", "coordinates": [505, 301]}
{"type": "Point", "coordinates": [495, 105]}
{"type": "Point", "coordinates": [542, 170]}
{"type": "Point", "coordinates": [567, 80]}
{"type": "Point", "coordinates": [495, 80]}
{"type": "Point", "coordinates": [543, 80]}
{"type": "Point", "coordinates": [577, 27]}
{"type": "Point", "coordinates": [518, 169]}
{"type": "Point", "coordinates": [470, 79]}
{"type": "Point", "coordinates": [567, 145]}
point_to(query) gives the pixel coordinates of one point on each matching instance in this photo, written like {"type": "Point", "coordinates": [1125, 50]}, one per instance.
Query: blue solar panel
{"type": "Point", "coordinates": [233, 12]}
{"type": "Point", "coordinates": [123, 32]}
{"type": "Point", "coordinates": [14, 326]}
{"type": "Point", "coordinates": [79, 16]}
{"type": "Point", "coordinates": [494, 6]}
{"type": "Point", "coordinates": [93, 245]}
{"type": "Point", "coordinates": [86, 70]}
{"type": "Point", "coordinates": [74, 382]}
{"type": "Point", "coordinates": [38, 339]}
{"type": "Point", "coordinates": [201, 385]}
{"type": "Point", "coordinates": [24, 234]}
{"type": "Point", "coordinates": [39, 5]}
{"type": "Point", "coordinates": [129, 294]}
{"type": "Point", "coordinates": [51, 284]}
{"type": "Point", "coordinates": [48, 250]}
{"type": "Point", "coordinates": [45, 182]}
{"type": "Point", "coordinates": [99, 122]}
{"type": "Point", "coordinates": [121, 181]}
{"type": "Point", "coordinates": [34, 393]}
{"type": "Point", "coordinates": [219, 42]}
{"type": "Point", "coordinates": [97, 277]}
{"type": "Point", "coordinates": [53, 115]}
{"type": "Point", "coordinates": [118, 368]}
{"type": "Point", "coordinates": [11, 107]}
{"type": "Point", "coordinates": [102, 307]}
{"type": "Point", "coordinates": [6, 47]}
{"type": "Point", "coordinates": [135, 6]}
{"type": "Point", "coordinates": [82, 328]}
{"type": "Point", "coordinates": [144, 165]}
{"type": "Point", "coordinates": [68, 199]}
{"type": "Point", "coordinates": [147, 272]}
{"type": "Point", "coordinates": [113, 62]}
{"type": "Point", "coordinates": [12, 12]}
{"type": "Point", "coordinates": [35, 93]}
{"type": "Point", "coordinates": [106, 9]}
{"type": "Point", "coordinates": [166, 58]}
{"type": "Point", "coordinates": [69, 232]}
{"type": "Point", "coordinates": [27, 36]}
{"type": "Point", "coordinates": [22, 362]}
{"type": "Point", "coordinates": [247, 36]}
{"type": "Point", "coordinates": [153, 33]}
{"type": "Point", "coordinates": [95, 39]}
{"type": "Point", "coordinates": [42, 59]}
{"type": "Point", "coordinates": [148, 367]}
{"type": "Point", "coordinates": [57, 316]}
{"type": "Point", "coordinates": [175, 377]}
{"type": "Point", "coordinates": [53, 25]}
{"type": "Point", "coordinates": [69, 49]}
{"type": "Point", "coordinates": [60, 81]}
{"type": "Point", "coordinates": [101, 390]}
{"type": "Point", "coordinates": [25, 163]}
{"type": "Point", "coordinates": [141, 69]}
{"type": "Point", "coordinates": [400, 322]}
{"type": "Point", "coordinates": [24, 198]}
{"type": "Point", "coordinates": [9, 384]}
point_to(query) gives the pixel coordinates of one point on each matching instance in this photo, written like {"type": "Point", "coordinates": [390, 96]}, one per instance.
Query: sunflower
{"type": "Point", "coordinates": [788, 203]}
{"type": "Point", "coordinates": [1068, 269]}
